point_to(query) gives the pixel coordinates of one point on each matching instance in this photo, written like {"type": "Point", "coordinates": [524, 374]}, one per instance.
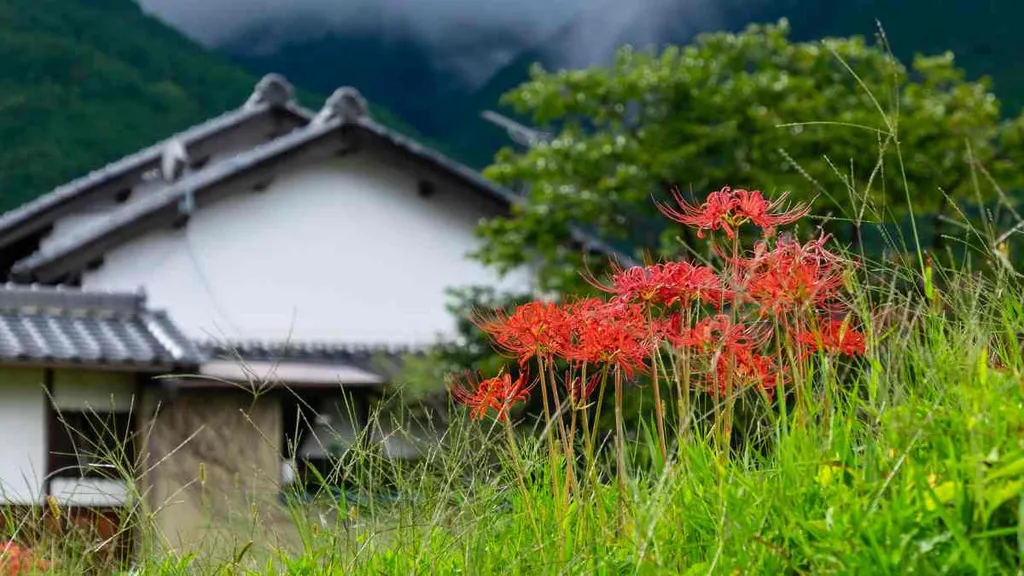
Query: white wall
{"type": "Point", "coordinates": [22, 436]}
{"type": "Point", "coordinates": [86, 391]}
{"type": "Point", "coordinates": [344, 250]}
{"type": "Point", "coordinates": [92, 492]}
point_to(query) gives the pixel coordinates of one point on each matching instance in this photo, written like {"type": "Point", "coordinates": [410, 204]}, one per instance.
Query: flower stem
{"type": "Point", "coordinates": [656, 386]}
{"type": "Point", "coordinates": [570, 459]}
{"type": "Point", "coordinates": [620, 447]}
{"type": "Point", "coordinates": [559, 414]}
{"type": "Point", "coordinates": [597, 411]}
{"type": "Point", "coordinates": [549, 433]}
{"type": "Point", "coordinates": [514, 450]}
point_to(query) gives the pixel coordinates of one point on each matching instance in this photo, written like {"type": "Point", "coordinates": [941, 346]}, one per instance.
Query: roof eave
{"type": "Point", "coordinates": [48, 267]}
{"type": "Point", "coordinates": [44, 210]}
{"type": "Point", "coordinates": [99, 365]}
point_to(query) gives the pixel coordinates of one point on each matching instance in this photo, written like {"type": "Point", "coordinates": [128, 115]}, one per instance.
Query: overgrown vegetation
{"type": "Point", "coordinates": [909, 459]}
{"type": "Point", "coordinates": [896, 445]}
{"type": "Point", "coordinates": [750, 110]}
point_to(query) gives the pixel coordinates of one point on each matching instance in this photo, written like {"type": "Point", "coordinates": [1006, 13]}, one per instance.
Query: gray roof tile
{"type": "Point", "coordinates": [383, 360]}
{"type": "Point", "coordinates": [55, 325]}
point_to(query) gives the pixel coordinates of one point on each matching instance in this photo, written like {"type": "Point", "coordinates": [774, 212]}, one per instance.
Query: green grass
{"type": "Point", "coordinates": [913, 464]}
{"type": "Point", "coordinates": [908, 460]}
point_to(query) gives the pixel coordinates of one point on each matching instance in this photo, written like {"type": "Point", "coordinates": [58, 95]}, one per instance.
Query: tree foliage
{"type": "Point", "coordinates": [840, 123]}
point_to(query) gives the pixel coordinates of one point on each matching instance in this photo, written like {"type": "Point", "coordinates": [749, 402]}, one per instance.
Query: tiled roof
{"type": "Point", "coordinates": [273, 92]}
{"type": "Point", "coordinates": [344, 111]}
{"type": "Point", "coordinates": [364, 356]}
{"type": "Point", "coordinates": [68, 326]}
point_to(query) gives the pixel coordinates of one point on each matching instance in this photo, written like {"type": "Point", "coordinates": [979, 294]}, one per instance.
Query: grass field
{"type": "Point", "coordinates": [906, 460]}
{"type": "Point", "coordinates": [903, 455]}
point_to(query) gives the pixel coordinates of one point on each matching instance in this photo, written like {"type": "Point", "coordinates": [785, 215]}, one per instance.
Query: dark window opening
{"type": "Point", "coordinates": [199, 163]}
{"type": "Point", "coordinates": [425, 189]}
{"type": "Point", "coordinates": [318, 429]}
{"type": "Point", "coordinates": [94, 264]}
{"type": "Point", "coordinates": [91, 444]}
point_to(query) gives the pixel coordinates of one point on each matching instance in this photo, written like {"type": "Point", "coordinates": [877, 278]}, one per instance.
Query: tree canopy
{"type": "Point", "coordinates": [840, 123]}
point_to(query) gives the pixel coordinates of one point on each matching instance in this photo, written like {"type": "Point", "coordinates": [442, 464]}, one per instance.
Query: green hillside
{"type": "Point", "coordinates": [84, 83]}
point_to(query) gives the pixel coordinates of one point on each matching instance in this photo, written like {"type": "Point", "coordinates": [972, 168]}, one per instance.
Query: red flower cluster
{"type": "Point", "coordinates": [534, 329]}
{"type": "Point", "coordinates": [833, 337]}
{"type": "Point", "coordinates": [793, 277]}
{"type": "Point", "coordinates": [711, 333]}
{"type": "Point", "coordinates": [731, 327]}
{"type": "Point", "coordinates": [728, 209]}
{"type": "Point", "coordinates": [667, 283]}
{"type": "Point", "coordinates": [499, 393]}
{"type": "Point", "coordinates": [736, 368]}
{"type": "Point", "coordinates": [614, 334]}
{"type": "Point", "coordinates": [16, 560]}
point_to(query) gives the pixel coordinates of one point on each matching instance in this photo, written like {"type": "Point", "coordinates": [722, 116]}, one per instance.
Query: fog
{"type": "Point", "coordinates": [214, 21]}
{"type": "Point", "coordinates": [449, 26]}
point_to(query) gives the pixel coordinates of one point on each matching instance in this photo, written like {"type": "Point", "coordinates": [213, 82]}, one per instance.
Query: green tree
{"type": "Point", "coordinates": [839, 123]}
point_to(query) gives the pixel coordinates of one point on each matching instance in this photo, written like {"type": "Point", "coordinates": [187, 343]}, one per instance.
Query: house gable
{"type": "Point", "coordinates": [332, 248]}
{"type": "Point", "coordinates": [341, 230]}
{"type": "Point", "coordinates": [269, 113]}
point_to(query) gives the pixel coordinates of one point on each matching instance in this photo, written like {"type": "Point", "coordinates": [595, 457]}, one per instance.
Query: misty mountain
{"type": "Point", "coordinates": [421, 78]}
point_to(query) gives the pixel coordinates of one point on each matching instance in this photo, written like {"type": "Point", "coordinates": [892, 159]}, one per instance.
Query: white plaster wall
{"type": "Point", "coordinates": [342, 250]}
{"type": "Point", "coordinates": [22, 436]}
{"type": "Point", "coordinates": [87, 391]}
{"type": "Point", "coordinates": [99, 492]}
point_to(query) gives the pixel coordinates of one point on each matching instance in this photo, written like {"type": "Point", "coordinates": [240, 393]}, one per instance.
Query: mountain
{"type": "Point", "coordinates": [396, 71]}
{"type": "Point", "coordinates": [411, 78]}
{"type": "Point", "coordinates": [84, 83]}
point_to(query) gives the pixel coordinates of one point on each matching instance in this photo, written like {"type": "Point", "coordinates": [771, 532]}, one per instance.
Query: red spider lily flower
{"type": "Point", "coordinates": [794, 276]}
{"type": "Point", "coordinates": [713, 333]}
{"type": "Point", "coordinates": [580, 391]}
{"type": "Point", "coordinates": [685, 282]}
{"type": "Point", "coordinates": [634, 284]}
{"type": "Point", "coordinates": [716, 213]}
{"type": "Point", "coordinates": [752, 205]}
{"type": "Point", "coordinates": [499, 393]}
{"type": "Point", "coordinates": [833, 336]}
{"type": "Point", "coordinates": [735, 369]}
{"type": "Point", "coordinates": [533, 329]}
{"type": "Point", "coordinates": [665, 283]}
{"type": "Point", "coordinates": [613, 333]}
{"type": "Point", "coordinates": [728, 209]}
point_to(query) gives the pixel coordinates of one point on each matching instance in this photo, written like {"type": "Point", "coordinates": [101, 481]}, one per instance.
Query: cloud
{"type": "Point", "coordinates": [436, 21]}
{"type": "Point", "coordinates": [473, 38]}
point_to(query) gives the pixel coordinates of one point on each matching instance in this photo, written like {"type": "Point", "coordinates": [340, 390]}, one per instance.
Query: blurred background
{"type": "Point", "coordinates": [85, 82]}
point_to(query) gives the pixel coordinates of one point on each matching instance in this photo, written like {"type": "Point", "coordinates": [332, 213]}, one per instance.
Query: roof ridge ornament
{"type": "Point", "coordinates": [174, 160]}
{"type": "Point", "coordinates": [272, 89]}
{"type": "Point", "coordinates": [346, 104]}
